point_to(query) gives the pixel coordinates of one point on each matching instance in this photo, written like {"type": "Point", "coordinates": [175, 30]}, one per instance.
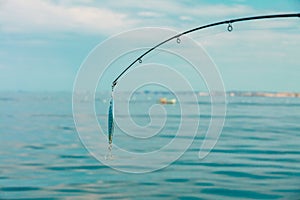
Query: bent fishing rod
{"type": "Point", "coordinates": [177, 37]}
{"type": "Point", "coordinates": [229, 28]}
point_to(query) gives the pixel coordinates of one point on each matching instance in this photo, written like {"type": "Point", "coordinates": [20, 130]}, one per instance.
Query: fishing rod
{"type": "Point", "coordinates": [177, 37]}
{"type": "Point", "coordinates": [229, 28]}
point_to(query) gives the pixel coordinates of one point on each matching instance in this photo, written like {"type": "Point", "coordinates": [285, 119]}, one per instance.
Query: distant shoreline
{"type": "Point", "coordinates": [237, 93]}
{"type": "Point", "coordinates": [200, 93]}
{"type": "Point", "coordinates": [258, 94]}
{"type": "Point", "coordinates": [265, 94]}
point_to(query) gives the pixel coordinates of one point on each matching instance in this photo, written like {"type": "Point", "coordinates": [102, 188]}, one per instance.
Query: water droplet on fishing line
{"type": "Point", "coordinates": [178, 40]}
{"type": "Point", "coordinates": [140, 61]}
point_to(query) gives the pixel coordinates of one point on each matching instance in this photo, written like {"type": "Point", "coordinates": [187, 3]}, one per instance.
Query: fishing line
{"type": "Point", "coordinates": [177, 37]}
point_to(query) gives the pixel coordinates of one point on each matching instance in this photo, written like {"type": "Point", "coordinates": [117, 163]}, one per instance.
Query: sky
{"type": "Point", "coordinates": [44, 42]}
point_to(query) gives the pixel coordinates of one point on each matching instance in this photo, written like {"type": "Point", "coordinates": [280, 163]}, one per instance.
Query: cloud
{"type": "Point", "coordinates": [177, 14]}
{"type": "Point", "coordinates": [263, 47]}
{"type": "Point", "coordinates": [87, 16]}
{"type": "Point", "coordinates": [175, 7]}
{"type": "Point", "coordinates": [44, 16]}
{"type": "Point", "coordinates": [221, 10]}
{"type": "Point", "coordinates": [185, 18]}
{"type": "Point", "coordinates": [149, 14]}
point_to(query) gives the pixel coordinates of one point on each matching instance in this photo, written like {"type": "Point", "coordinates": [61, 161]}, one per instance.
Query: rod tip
{"type": "Point", "coordinates": [113, 85]}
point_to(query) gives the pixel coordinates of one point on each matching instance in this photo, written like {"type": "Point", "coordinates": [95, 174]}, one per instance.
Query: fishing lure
{"type": "Point", "coordinates": [177, 37]}
{"type": "Point", "coordinates": [111, 120]}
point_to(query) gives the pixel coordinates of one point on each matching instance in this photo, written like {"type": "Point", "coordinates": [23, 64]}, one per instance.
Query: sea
{"type": "Point", "coordinates": [257, 155]}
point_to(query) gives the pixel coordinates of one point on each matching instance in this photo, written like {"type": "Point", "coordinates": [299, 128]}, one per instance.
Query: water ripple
{"type": "Point", "coordinates": [177, 180]}
{"type": "Point", "coordinates": [35, 147]}
{"type": "Point", "coordinates": [74, 156]}
{"type": "Point", "coordinates": [17, 189]}
{"type": "Point", "coordinates": [243, 175]}
{"type": "Point", "coordinates": [80, 167]}
{"type": "Point", "coordinates": [239, 193]}
{"type": "Point", "coordinates": [189, 198]}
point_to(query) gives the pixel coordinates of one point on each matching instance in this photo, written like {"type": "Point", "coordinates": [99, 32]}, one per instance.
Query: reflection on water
{"type": "Point", "coordinates": [257, 156]}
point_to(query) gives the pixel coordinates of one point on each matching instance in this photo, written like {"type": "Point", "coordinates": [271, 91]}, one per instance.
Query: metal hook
{"type": "Point", "coordinates": [178, 40]}
{"type": "Point", "coordinates": [229, 27]}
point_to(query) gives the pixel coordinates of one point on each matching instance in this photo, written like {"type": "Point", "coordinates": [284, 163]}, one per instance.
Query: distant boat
{"type": "Point", "coordinates": [167, 101]}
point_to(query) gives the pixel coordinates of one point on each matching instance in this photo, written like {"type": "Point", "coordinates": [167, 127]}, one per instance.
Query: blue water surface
{"type": "Point", "coordinates": [256, 157]}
